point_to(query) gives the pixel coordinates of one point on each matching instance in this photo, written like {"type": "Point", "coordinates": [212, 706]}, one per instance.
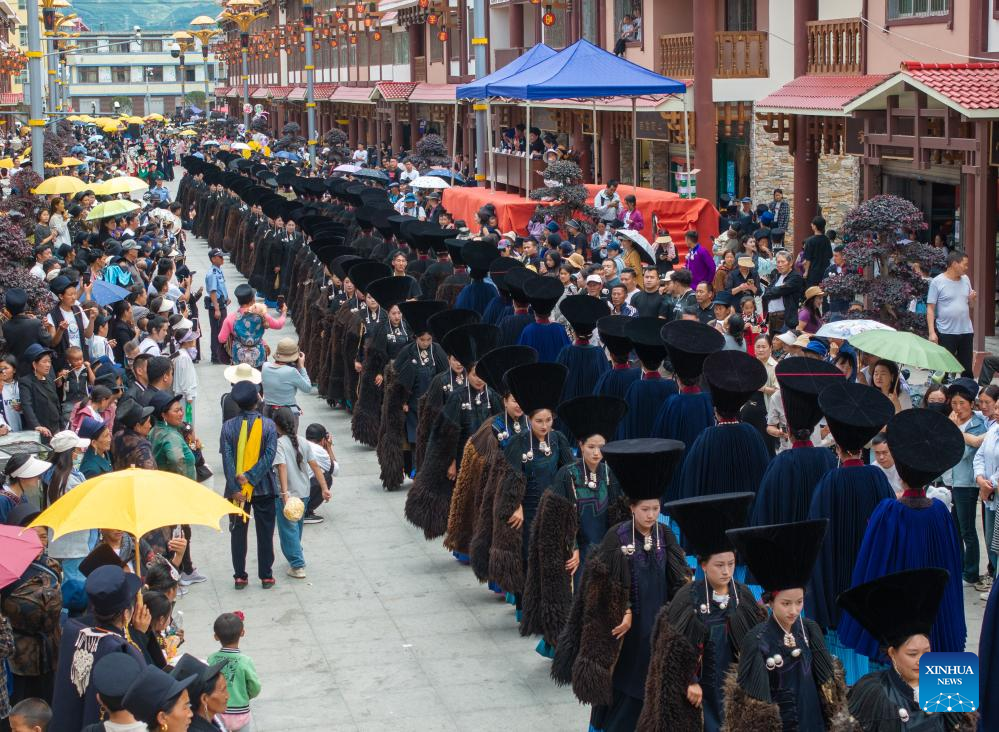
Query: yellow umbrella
{"type": "Point", "coordinates": [155, 117]}
{"type": "Point", "coordinates": [70, 162]}
{"type": "Point", "coordinates": [60, 184]}
{"type": "Point", "coordinates": [135, 501]}
{"type": "Point", "coordinates": [134, 120]}
{"type": "Point", "coordinates": [7, 163]}
{"type": "Point", "coordinates": [121, 184]}
{"type": "Point", "coordinates": [111, 128]}
{"type": "Point", "coordinates": [188, 133]}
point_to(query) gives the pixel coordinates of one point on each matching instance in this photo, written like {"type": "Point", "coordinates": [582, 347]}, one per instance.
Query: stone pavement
{"type": "Point", "coordinates": [387, 632]}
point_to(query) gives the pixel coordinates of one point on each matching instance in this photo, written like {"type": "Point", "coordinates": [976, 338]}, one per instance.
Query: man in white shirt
{"type": "Point", "coordinates": [409, 174]}
{"type": "Point", "coordinates": [948, 310]}
{"type": "Point", "coordinates": [607, 202]}
{"type": "Point", "coordinates": [360, 156]}
{"type": "Point", "coordinates": [885, 461]}
{"type": "Point", "coordinates": [43, 253]}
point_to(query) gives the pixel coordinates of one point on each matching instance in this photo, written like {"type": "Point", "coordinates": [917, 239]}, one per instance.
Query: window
{"type": "Point", "coordinates": [22, 36]}
{"type": "Point", "coordinates": [119, 47]}
{"type": "Point", "coordinates": [400, 47]}
{"type": "Point", "coordinates": [740, 15]}
{"type": "Point", "coordinates": [86, 74]}
{"type": "Point", "coordinates": [903, 9]}
{"type": "Point", "coordinates": [88, 44]}
{"type": "Point", "coordinates": [189, 74]}
{"type": "Point", "coordinates": [152, 45]}
{"type": "Point", "coordinates": [214, 74]}
{"type": "Point", "coordinates": [154, 73]}
{"type": "Point", "coordinates": [436, 46]}
{"type": "Point", "coordinates": [22, 4]}
{"type": "Point", "coordinates": [120, 74]}
{"type": "Point", "coordinates": [622, 8]}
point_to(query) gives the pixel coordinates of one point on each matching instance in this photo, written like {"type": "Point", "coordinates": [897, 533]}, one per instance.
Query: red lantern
{"type": "Point", "coordinates": [442, 35]}
{"type": "Point", "coordinates": [424, 4]}
{"type": "Point", "coordinates": [432, 19]}
{"type": "Point", "coordinates": [353, 39]}
{"type": "Point", "coordinates": [377, 35]}
{"type": "Point", "coordinates": [344, 27]}
{"type": "Point", "coordinates": [548, 18]}
{"type": "Point", "coordinates": [360, 8]}
{"type": "Point", "coordinates": [334, 43]}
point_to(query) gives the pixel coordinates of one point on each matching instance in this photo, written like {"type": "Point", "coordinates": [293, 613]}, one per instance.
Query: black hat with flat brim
{"type": "Point", "coordinates": [391, 290]}
{"type": "Point", "coordinates": [703, 520]}
{"type": "Point", "coordinates": [398, 221]}
{"type": "Point", "coordinates": [343, 263]}
{"type": "Point", "coordinates": [924, 444]}
{"type": "Point", "coordinates": [537, 386]}
{"type": "Point", "coordinates": [152, 692]}
{"type": "Point", "coordinates": [688, 343]}
{"type": "Point", "coordinates": [780, 556]}
{"type": "Point", "coordinates": [733, 377]}
{"type": "Point", "coordinates": [443, 322]}
{"type": "Point", "coordinates": [417, 313]}
{"type": "Point", "coordinates": [543, 293]}
{"type": "Point", "coordinates": [362, 274]}
{"type": "Point", "coordinates": [583, 312]}
{"type": "Point", "coordinates": [516, 280]}
{"type": "Point", "coordinates": [454, 249]}
{"type": "Point", "coordinates": [492, 367]}
{"type": "Point", "coordinates": [854, 413]}
{"type": "Point", "coordinates": [590, 415]}
{"type": "Point", "coordinates": [643, 332]}
{"type": "Point", "coordinates": [643, 466]}
{"type": "Point", "coordinates": [478, 255]}
{"type": "Point", "coordinates": [897, 606]}
{"type": "Point", "coordinates": [801, 380]}
{"type": "Point", "coordinates": [612, 330]}
{"type": "Point", "coordinates": [498, 270]}
{"type": "Point", "coordinates": [468, 343]}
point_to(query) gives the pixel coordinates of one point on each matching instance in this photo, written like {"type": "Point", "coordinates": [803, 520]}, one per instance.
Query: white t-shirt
{"type": "Point", "coordinates": [148, 345]}
{"type": "Point", "coordinates": [321, 457]}
{"type": "Point", "coordinates": [777, 304]}
{"type": "Point", "coordinates": [950, 297]}
{"type": "Point", "coordinates": [409, 175]}
{"type": "Point", "coordinates": [11, 413]}
{"type": "Point", "coordinates": [360, 157]}
{"type": "Point", "coordinates": [298, 476]}
{"type": "Point", "coordinates": [73, 332]}
{"type": "Point", "coordinates": [38, 271]}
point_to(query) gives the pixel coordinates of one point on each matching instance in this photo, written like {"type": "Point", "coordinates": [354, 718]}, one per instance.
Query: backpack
{"type": "Point", "coordinates": [247, 339]}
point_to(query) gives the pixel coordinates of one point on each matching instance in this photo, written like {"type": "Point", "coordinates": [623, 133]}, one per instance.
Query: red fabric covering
{"type": "Point", "coordinates": [676, 215]}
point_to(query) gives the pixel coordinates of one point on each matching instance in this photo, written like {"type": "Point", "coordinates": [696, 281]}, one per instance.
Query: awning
{"type": "Point", "coordinates": [279, 92]}
{"type": "Point", "coordinates": [818, 95]}
{"type": "Point", "coordinates": [478, 89]}
{"type": "Point", "coordinates": [297, 94]}
{"type": "Point", "coordinates": [259, 93]}
{"type": "Point", "coordinates": [221, 91]}
{"type": "Point", "coordinates": [323, 91]}
{"type": "Point", "coordinates": [670, 103]}
{"type": "Point", "coordinates": [969, 89]}
{"type": "Point", "coordinates": [11, 99]}
{"type": "Point", "coordinates": [389, 18]}
{"type": "Point", "coordinates": [350, 94]}
{"type": "Point", "coordinates": [433, 94]}
{"type": "Point", "coordinates": [392, 91]}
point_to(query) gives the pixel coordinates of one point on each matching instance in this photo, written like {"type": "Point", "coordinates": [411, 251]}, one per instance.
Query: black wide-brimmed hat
{"type": "Point", "coordinates": [391, 290]}
{"type": "Point", "coordinates": [362, 274]}
{"type": "Point", "coordinates": [343, 263]}
{"type": "Point", "coordinates": [498, 269]}
{"type": "Point", "coordinates": [801, 380]}
{"type": "Point", "coordinates": [644, 466]}
{"type": "Point", "coordinates": [365, 216]}
{"type": "Point", "coordinates": [417, 312]}
{"type": "Point", "coordinates": [543, 293]}
{"type": "Point", "coordinates": [516, 280]}
{"type": "Point", "coordinates": [455, 248]}
{"type": "Point", "coordinates": [492, 367]}
{"type": "Point", "coordinates": [446, 320]}
{"type": "Point", "coordinates": [590, 415]}
{"type": "Point", "coordinates": [583, 312]}
{"type": "Point", "coordinates": [478, 255]}
{"type": "Point", "coordinates": [924, 445]}
{"type": "Point", "coordinates": [780, 556]}
{"type": "Point", "coordinates": [704, 520]}
{"type": "Point", "coordinates": [897, 606]}
{"type": "Point", "coordinates": [612, 330]}
{"type": "Point", "coordinates": [688, 343]}
{"type": "Point", "coordinates": [854, 413]}
{"type": "Point", "coordinates": [468, 343]}
{"type": "Point", "coordinates": [429, 236]}
{"type": "Point", "coordinates": [733, 377]}
{"type": "Point", "coordinates": [643, 332]}
{"type": "Point", "coordinates": [537, 385]}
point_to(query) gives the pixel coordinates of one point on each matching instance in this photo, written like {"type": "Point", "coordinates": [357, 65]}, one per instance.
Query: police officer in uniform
{"type": "Point", "coordinates": [216, 300]}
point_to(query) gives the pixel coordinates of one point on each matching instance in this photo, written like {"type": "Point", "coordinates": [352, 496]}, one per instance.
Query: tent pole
{"type": "Point", "coordinates": [490, 137]}
{"type": "Point", "coordinates": [596, 147]}
{"type": "Point", "coordinates": [527, 155]}
{"type": "Point", "coordinates": [686, 138]}
{"type": "Point", "coordinates": [454, 141]}
{"type": "Point", "coordinates": [634, 144]}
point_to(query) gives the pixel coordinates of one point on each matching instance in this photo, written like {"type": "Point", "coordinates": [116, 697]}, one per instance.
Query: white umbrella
{"type": "Point", "coordinates": [346, 168]}
{"type": "Point", "coordinates": [429, 181]}
{"type": "Point", "coordinates": [208, 143]}
{"type": "Point", "coordinates": [240, 146]}
{"type": "Point", "coordinates": [644, 248]}
{"type": "Point", "coordinates": [846, 329]}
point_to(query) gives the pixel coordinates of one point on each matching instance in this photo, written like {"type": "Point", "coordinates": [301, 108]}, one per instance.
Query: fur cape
{"type": "Point", "coordinates": [231, 227]}
{"type": "Point", "coordinates": [749, 705]}
{"type": "Point", "coordinates": [874, 711]}
{"type": "Point", "coordinates": [430, 406]}
{"type": "Point", "coordinates": [349, 352]}
{"type": "Point", "coordinates": [480, 451]}
{"type": "Point", "coordinates": [677, 647]}
{"type": "Point", "coordinates": [393, 424]}
{"type": "Point", "coordinates": [429, 500]}
{"type": "Point", "coordinates": [365, 424]}
{"type": "Point", "coordinates": [496, 548]}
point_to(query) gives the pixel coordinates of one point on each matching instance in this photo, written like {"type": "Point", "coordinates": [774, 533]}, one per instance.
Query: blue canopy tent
{"type": "Point", "coordinates": [584, 71]}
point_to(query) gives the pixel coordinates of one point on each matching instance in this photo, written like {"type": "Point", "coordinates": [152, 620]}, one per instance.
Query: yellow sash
{"type": "Point", "coordinates": [248, 451]}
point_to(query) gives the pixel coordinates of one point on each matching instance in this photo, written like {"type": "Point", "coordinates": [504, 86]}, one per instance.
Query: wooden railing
{"type": "Point", "coordinates": [419, 68]}
{"type": "Point", "coordinates": [836, 47]}
{"type": "Point", "coordinates": [738, 55]}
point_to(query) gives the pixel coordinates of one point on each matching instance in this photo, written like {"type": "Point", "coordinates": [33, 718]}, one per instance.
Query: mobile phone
{"type": "Point", "coordinates": [178, 532]}
{"type": "Point", "coordinates": [87, 278]}
{"type": "Point", "coordinates": [280, 300]}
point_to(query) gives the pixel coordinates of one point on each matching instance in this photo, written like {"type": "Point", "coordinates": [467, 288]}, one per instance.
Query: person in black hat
{"type": "Point", "coordinates": [484, 448]}
{"type": "Point", "coordinates": [160, 701]}
{"type": "Point", "coordinates": [914, 531]}
{"type": "Point", "coordinates": [429, 500]}
{"type": "Point", "coordinates": [585, 499]}
{"type": "Point", "coordinates": [337, 325]}
{"type": "Point", "coordinates": [787, 487]}
{"type": "Point", "coordinates": [615, 383]}
{"type": "Point", "coordinates": [731, 456]}
{"type": "Point", "coordinates": [544, 336]}
{"type": "Point", "coordinates": [477, 294]}
{"type": "Point", "coordinates": [380, 345]}
{"type": "Point", "coordinates": [208, 693]}
{"type": "Point", "coordinates": [111, 593]}
{"type": "Point", "coordinates": [267, 252]}
{"type": "Point", "coordinates": [786, 677]}
{"type": "Point", "coordinates": [21, 330]}
{"type": "Point", "coordinates": [501, 305]}
{"type": "Point", "coordinates": [605, 647]}
{"type": "Point", "coordinates": [513, 323]}
{"type": "Point", "coordinates": [846, 495]}
{"type": "Point", "coordinates": [112, 676]}
{"type": "Point", "coordinates": [585, 362]}
{"type": "Point", "coordinates": [698, 638]}
{"type": "Point", "coordinates": [899, 610]}
{"type": "Point", "coordinates": [646, 395]}
{"type": "Point", "coordinates": [407, 379]}
{"type": "Point", "coordinates": [362, 274]}
{"type": "Point", "coordinates": [515, 486]}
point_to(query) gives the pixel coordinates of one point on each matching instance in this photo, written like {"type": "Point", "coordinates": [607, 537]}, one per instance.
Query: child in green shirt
{"type": "Point", "coordinates": [239, 672]}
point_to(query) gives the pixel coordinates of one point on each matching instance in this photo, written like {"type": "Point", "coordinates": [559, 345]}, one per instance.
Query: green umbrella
{"type": "Point", "coordinates": [907, 348]}
{"type": "Point", "coordinates": [111, 208]}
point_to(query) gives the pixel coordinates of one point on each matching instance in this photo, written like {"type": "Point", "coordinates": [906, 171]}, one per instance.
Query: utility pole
{"type": "Point", "coordinates": [481, 44]}
{"type": "Point", "coordinates": [37, 120]}
{"type": "Point", "coordinates": [308, 18]}
{"type": "Point", "coordinates": [204, 29]}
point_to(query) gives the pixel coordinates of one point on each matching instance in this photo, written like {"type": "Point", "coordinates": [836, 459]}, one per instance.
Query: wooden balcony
{"type": "Point", "coordinates": [419, 68]}
{"type": "Point", "coordinates": [738, 55]}
{"type": "Point", "coordinates": [836, 47]}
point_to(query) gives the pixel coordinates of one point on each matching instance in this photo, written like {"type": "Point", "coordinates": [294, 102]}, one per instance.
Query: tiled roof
{"type": "Point", "coordinates": [355, 94]}
{"type": "Point", "coordinates": [259, 93]}
{"type": "Point", "coordinates": [8, 99]}
{"type": "Point", "coordinates": [395, 91]}
{"type": "Point", "coordinates": [819, 94]}
{"type": "Point", "coordinates": [221, 91]}
{"type": "Point", "coordinates": [279, 92]}
{"type": "Point", "coordinates": [323, 91]}
{"type": "Point", "coordinates": [433, 93]}
{"type": "Point", "coordinates": [297, 94]}
{"type": "Point", "coordinates": [972, 86]}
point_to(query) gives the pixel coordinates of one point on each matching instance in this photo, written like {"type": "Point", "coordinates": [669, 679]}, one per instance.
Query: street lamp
{"type": "Point", "coordinates": [204, 29]}
{"type": "Point", "coordinates": [148, 72]}
{"type": "Point", "coordinates": [182, 43]}
{"type": "Point", "coordinates": [243, 13]}
{"type": "Point", "coordinates": [37, 119]}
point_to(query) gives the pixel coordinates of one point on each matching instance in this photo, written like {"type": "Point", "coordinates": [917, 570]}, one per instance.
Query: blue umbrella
{"type": "Point", "coordinates": [104, 293]}
{"type": "Point", "coordinates": [78, 149]}
{"type": "Point", "coordinates": [445, 174]}
{"type": "Point", "coordinates": [373, 174]}
{"type": "Point", "coordinates": [285, 155]}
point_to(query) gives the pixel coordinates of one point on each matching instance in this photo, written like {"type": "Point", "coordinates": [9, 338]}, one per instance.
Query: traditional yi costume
{"type": "Point", "coordinates": [544, 336]}
{"type": "Point", "coordinates": [584, 362]}
{"type": "Point", "coordinates": [647, 394]}
{"type": "Point", "coordinates": [615, 383]}
{"type": "Point", "coordinates": [477, 293]}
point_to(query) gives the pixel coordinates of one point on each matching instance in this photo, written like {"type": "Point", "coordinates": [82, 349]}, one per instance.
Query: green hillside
{"type": "Point", "coordinates": [115, 15]}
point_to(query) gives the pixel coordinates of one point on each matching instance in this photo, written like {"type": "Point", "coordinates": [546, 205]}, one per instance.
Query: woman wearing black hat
{"type": "Point", "coordinates": [501, 305]}
{"type": "Point", "coordinates": [605, 647]}
{"type": "Point", "coordinates": [208, 692]}
{"type": "Point", "coordinates": [478, 293]}
{"type": "Point", "coordinates": [160, 701]}
{"type": "Point", "coordinates": [407, 379]}
{"type": "Point", "coordinates": [513, 322]}
{"type": "Point", "coordinates": [362, 274]}
{"type": "Point", "coordinates": [544, 336]}
{"type": "Point", "coordinates": [336, 325]}
{"type": "Point", "coordinates": [585, 362]}
{"type": "Point", "coordinates": [484, 449]}
{"type": "Point", "coordinates": [685, 415]}
{"type": "Point", "coordinates": [646, 395]}
{"type": "Point", "coordinates": [786, 678]}
{"type": "Point", "coordinates": [573, 515]}
{"type": "Point", "coordinates": [697, 639]}
{"type": "Point", "coordinates": [429, 500]}
{"type": "Point", "coordinates": [731, 456]}
{"type": "Point", "coordinates": [380, 344]}
{"type": "Point", "coordinates": [899, 610]}
{"type": "Point", "coordinates": [616, 381]}
{"type": "Point", "coordinates": [914, 531]}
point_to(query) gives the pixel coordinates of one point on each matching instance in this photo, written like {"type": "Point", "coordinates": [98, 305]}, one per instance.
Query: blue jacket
{"type": "Point", "coordinates": [963, 474]}
{"type": "Point", "coordinates": [261, 476]}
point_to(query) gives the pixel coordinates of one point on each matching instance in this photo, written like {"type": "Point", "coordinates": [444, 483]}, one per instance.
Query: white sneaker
{"type": "Point", "coordinates": [195, 577]}
{"type": "Point", "coordinates": [296, 572]}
